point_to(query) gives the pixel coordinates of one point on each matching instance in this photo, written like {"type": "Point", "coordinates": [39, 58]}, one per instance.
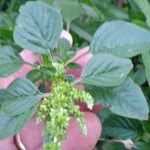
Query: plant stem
{"type": "Point", "coordinates": [68, 26]}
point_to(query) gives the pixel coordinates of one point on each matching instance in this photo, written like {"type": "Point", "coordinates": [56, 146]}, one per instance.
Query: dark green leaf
{"type": "Point", "coordinates": [43, 73]}
{"type": "Point", "coordinates": [10, 61]}
{"type": "Point", "coordinates": [20, 96]}
{"type": "Point", "coordinates": [34, 75]}
{"type": "Point", "coordinates": [106, 70]}
{"type": "Point", "coordinates": [113, 146]}
{"type": "Point", "coordinates": [122, 128]}
{"type": "Point", "coordinates": [38, 27]}
{"type": "Point", "coordinates": [142, 145]}
{"type": "Point", "coordinates": [144, 5]}
{"type": "Point", "coordinates": [146, 126]}
{"type": "Point", "coordinates": [11, 125]}
{"type": "Point", "coordinates": [126, 99]}
{"type": "Point", "coordinates": [120, 38]}
{"type": "Point", "coordinates": [139, 75]}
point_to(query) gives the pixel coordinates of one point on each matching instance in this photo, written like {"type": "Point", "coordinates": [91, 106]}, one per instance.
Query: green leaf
{"type": "Point", "coordinates": [126, 99]}
{"type": "Point", "coordinates": [10, 61]}
{"type": "Point", "coordinates": [20, 96]}
{"type": "Point", "coordinates": [122, 128]}
{"type": "Point", "coordinates": [43, 73]}
{"type": "Point", "coordinates": [146, 126]}
{"type": "Point", "coordinates": [38, 27]}
{"type": "Point", "coordinates": [113, 146]}
{"type": "Point", "coordinates": [120, 38]}
{"type": "Point", "coordinates": [11, 125]}
{"type": "Point", "coordinates": [34, 75]}
{"type": "Point", "coordinates": [70, 9]}
{"type": "Point", "coordinates": [106, 70]}
{"type": "Point", "coordinates": [142, 145]}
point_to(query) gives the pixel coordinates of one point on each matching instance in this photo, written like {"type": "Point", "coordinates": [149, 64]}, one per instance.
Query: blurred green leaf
{"type": "Point", "coordinates": [70, 9]}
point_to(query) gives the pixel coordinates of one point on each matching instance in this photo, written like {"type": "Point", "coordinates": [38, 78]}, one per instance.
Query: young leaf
{"type": "Point", "coordinates": [20, 96]}
{"type": "Point", "coordinates": [120, 38]}
{"type": "Point", "coordinates": [122, 128]}
{"type": "Point", "coordinates": [43, 73]}
{"type": "Point", "coordinates": [106, 70]}
{"type": "Point", "coordinates": [38, 27]}
{"type": "Point", "coordinates": [10, 61]}
{"type": "Point", "coordinates": [126, 99]}
{"type": "Point", "coordinates": [11, 125]}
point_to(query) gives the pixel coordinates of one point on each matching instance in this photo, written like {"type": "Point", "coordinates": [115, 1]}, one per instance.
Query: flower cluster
{"type": "Point", "coordinates": [57, 109]}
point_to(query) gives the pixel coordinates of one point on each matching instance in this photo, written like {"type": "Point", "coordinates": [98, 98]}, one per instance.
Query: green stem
{"type": "Point", "coordinates": [50, 56]}
{"type": "Point", "coordinates": [68, 26]}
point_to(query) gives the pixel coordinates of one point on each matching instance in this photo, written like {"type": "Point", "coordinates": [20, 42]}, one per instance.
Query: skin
{"type": "Point", "coordinates": [31, 135]}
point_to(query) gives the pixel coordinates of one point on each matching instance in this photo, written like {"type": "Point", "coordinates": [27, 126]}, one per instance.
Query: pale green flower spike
{"type": "Point", "coordinates": [57, 109]}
